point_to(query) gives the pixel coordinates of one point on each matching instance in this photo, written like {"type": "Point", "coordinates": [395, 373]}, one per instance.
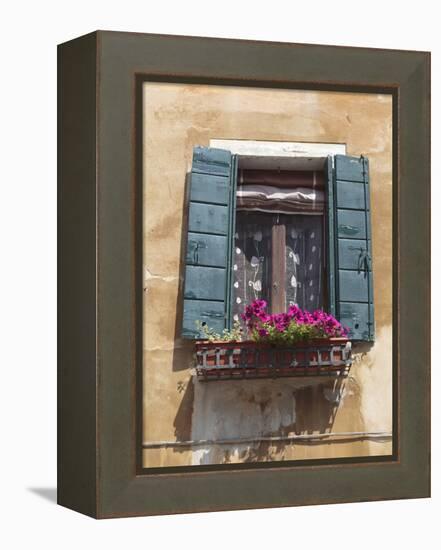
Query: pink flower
{"type": "Point", "coordinates": [322, 324]}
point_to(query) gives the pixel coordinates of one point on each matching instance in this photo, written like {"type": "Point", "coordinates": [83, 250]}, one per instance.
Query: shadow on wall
{"type": "Point", "coordinates": [240, 413]}
{"type": "Point", "coordinates": [183, 349]}
{"type": "Point", "coordinates": [183, 418]}
{"type": "Point", "coordinates": [316, 407]}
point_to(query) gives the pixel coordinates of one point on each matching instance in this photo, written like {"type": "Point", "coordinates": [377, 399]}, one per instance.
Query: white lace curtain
{"type": "Point", "coordinates": [300, 210]}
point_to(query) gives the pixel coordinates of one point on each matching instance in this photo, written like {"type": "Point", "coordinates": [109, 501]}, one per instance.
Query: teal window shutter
{"type": "Point", "coordinates": [350, 282]}
{"type": "Point", "coordinates": [207, 285]}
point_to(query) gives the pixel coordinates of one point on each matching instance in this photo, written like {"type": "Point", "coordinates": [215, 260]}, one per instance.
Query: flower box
{"type": "Point", "coordinates": [249, 359]}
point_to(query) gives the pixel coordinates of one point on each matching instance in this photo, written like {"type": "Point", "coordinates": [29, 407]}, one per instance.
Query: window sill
{"type": "Point", "coordinates": [248, 359]}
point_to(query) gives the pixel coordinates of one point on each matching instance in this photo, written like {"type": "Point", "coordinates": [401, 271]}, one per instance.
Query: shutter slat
{"type": "Point", "coordinates": [349, 168]}
{"type": "Point", "coordinates": [204, 283]}
{"type": "Point", "coordinates": [212, 313]}
{"type": "Point", "coordinates": [211, 161]}
{"type": "Point", "coordinates": [350, 195]}
{"type": "Point", "coordinates": [208, 218]}
{"type": "Point", "coordinates": [208, 250]}
{"type": "Point", "coordinates": [209, 188]}
{"type": "Point", "coordinates": [207, 278]}
{"type": "Point", "coordinates": [351, 227]}
{"type": "Point", "coordinates": [353, 286]}
{"type": "Point", "coordinates": [350, 252]}
{"type": "Point", "coordinates": [351, 224]}
{"type": "Point", "coordinates": [354, 316]}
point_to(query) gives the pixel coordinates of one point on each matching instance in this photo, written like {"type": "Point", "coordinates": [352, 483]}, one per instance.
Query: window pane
{"type": "Point", "coordinates": [303, 277]}
{"type": "Point", "coordinates": [304, 261]}
{"type": "Point", "coordinates": [251, 259]}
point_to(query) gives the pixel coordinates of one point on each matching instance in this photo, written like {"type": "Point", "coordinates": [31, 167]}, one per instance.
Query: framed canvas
{"type": "Point", "coordinates": [244, 274]}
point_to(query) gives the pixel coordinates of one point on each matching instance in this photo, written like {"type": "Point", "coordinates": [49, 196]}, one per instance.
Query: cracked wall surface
{"type": "Point", "coordinates": [175, 406]}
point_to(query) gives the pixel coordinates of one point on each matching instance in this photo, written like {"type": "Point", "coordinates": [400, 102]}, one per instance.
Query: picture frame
{"type": "Point", "coordinates": [100, 273]}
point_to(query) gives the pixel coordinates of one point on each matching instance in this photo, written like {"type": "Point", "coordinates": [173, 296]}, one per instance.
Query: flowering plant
{"type": "Point", "coordinates": [233, 335]}
{"type": "Point", "coordinates": [293, 326]}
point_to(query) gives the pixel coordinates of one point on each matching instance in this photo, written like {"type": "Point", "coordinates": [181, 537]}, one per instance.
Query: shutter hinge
{"type": "Point", "coordinates": [364, 261]}
{"type": "Point", "coordinates": [363, 162]}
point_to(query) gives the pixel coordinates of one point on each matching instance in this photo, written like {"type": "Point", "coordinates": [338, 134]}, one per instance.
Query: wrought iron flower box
{"type": "Point", "coordinates": [238, 360]}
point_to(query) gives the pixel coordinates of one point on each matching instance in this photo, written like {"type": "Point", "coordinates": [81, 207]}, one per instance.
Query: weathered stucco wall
{"type": "Point", "coordinates": [178, 408]}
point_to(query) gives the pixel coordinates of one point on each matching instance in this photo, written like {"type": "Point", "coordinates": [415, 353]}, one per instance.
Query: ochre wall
{"type": "Point", "coordinates": [178, 408]}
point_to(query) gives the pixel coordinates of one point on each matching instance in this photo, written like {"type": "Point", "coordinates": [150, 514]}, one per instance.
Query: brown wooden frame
{"type": "Point", "coordinates": [278, 267]}
{"type": "Point", "coordinates": [100, 212]}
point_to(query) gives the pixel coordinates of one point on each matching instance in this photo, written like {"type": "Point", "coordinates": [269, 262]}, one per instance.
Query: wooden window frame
{"type": "Point", "coordinates": [278, 250]}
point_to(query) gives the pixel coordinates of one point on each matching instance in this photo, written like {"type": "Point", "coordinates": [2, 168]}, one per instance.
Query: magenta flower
{"type": "Point", "coordinates": [284, 326]}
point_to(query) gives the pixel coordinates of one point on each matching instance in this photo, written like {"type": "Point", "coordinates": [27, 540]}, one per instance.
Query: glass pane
{"type": "Point", "coordinates": [251, 259]}
{"type": "Point", "coordinates": [304, 256]}
{"type": "Point", "coordinates": [304, 261]}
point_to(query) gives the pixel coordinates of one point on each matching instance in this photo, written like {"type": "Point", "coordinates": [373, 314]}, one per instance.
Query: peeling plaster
{"type": "Point", "coordinates": [256, 408]}
{"type": "Point", "coordinates": [166, 278]}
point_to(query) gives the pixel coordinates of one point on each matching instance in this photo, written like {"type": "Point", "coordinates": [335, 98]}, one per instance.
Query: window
{"type": "Point", "coordinates": [288, 236]}
{"type": "Point", "coordinates": [278, 246]}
